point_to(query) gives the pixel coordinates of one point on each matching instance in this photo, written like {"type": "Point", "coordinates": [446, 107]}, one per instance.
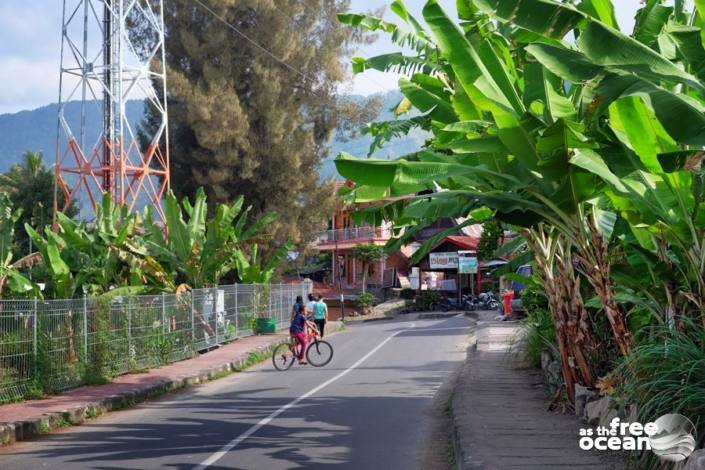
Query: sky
{"type": "Point", "coordinates": [30, 44]}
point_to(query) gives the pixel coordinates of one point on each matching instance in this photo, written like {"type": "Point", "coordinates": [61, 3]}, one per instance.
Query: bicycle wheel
{"type": "Point", "coordinates": [319, 353]}
{"type": "Point", "coordinates": [283, 356]}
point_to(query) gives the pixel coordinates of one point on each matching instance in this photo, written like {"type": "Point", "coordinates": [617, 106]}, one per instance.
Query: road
{"type": "Point", "coordinates": [369, 408]}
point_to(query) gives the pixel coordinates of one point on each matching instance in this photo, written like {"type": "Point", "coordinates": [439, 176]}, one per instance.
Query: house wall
{"type": "Point", "coordinates": [377, 270]}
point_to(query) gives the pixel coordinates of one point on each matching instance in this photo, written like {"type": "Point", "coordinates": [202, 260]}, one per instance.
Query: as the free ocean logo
{"type": "Point", "coordinates": [671, 437]}
{"type": "Point", "coordinates": [674, 439]}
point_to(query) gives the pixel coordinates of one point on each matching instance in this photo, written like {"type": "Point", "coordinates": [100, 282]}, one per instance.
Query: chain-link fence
{"type": "Point", "coordinates": [53, 345]}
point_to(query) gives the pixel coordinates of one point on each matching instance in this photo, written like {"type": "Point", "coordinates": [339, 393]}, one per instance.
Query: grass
{"type": "Point", "coordinates": [540, 336]}
{"type": "Point", "coordinates": [92, 413]}
{"type": "Point", "coordinates": [450, 452]}
{"type": "Point", "coordinates": [666, 374]}
{"type": "Point", "coordinates": [44, 427]}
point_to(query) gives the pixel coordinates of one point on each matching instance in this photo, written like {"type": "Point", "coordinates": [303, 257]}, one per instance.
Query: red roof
{"type": "Point", "coordinates": [339, 184]}
{"type": "Point", "coordinates": [464, 242]}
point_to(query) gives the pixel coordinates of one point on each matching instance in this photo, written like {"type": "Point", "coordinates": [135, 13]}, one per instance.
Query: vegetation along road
{"type": "Point", "coordinates": [369, 408]}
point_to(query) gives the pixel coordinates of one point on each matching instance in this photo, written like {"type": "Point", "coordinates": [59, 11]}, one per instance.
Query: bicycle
{"type": "Point", "coordinates": [318, 352]}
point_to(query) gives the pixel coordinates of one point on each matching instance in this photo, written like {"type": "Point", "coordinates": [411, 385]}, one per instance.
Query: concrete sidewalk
{"type": "Point", "coordinates": [500, 419]}
{"type": "Point", "coordinates": [25, 420]}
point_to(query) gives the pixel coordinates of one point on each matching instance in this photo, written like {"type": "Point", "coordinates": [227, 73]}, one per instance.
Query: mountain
{"type": "Point", "coordinates": [359, 145]}
{"type": "Point", "coordinates": [36, 130]}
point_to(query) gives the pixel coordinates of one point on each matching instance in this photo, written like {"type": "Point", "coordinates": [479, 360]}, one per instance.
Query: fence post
{"type": "Point", "coordinates": [129, 329]}
{"type": "Point", "coordinates": [85, 328]}
{"type": "Point", "coordinates": [193, 319]}
{"type": "Point", "coordinates": [237, 313]}
{"type": "Point", "coordinates": [281, 305]}
{"type": "Point", "coordinates": [34, 335]}
{"type": "Point", "coordinates": [215, 311]}
{"type": "Point", "coordinates": [164, 327]}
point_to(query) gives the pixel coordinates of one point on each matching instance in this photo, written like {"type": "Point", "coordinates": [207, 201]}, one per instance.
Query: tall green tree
{"type": "Point", "coordinates": [244, 123]}
{"type": "Point", "coordinates": [30, 185]}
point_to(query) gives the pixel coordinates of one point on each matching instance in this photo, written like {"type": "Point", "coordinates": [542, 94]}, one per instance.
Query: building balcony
{"type": "Point", "coordinates": [352, 236]}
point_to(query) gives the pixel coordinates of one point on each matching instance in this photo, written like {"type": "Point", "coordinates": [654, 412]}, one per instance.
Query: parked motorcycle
{"type": "Point", "coordinates": [452, 303]}
{"type": "Point", "coordinates": [489, 301]}
{"type": "Point", "coordinates": [483, 301]}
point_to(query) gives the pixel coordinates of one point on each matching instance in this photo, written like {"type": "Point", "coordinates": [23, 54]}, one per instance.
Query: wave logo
{"type": "Point", "coordinates": [673, 440]}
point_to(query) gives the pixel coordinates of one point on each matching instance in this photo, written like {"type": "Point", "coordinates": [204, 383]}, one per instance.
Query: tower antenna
{"type": "Point", "coordinates": [112, 52]}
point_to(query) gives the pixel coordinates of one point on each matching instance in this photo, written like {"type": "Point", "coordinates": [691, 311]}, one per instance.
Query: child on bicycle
{"type": "Point", "coordinates": [297, 329]}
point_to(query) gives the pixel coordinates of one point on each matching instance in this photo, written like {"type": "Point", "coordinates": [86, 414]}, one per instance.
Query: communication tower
{"type": "Point", "coordinates": [112, 53]}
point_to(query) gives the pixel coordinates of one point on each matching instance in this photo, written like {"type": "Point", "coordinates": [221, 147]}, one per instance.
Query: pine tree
{"type": "Point", "coordinates": [243, 123]}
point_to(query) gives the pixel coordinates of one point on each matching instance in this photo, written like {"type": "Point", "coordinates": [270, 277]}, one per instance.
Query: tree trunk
{"type": "Point", "coordinates": [573, 334]}
{"type": "Point", "coordinates": [364, 278]}
{"type": "Point", "coordinates": [595, 263]}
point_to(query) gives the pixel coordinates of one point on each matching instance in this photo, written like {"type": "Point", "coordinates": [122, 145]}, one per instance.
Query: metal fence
{"type": "Point", "coordinates": [53, 345]}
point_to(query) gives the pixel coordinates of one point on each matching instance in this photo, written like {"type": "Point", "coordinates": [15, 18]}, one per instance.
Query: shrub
{"type": "Point", "coordinates": [365, 301]}
{"type": "Point", "coordinates": [533, 298]}
{"type": "Point", "coordinates": [407, 294]}
{"type": "Point", "coordinates": [428, 299]}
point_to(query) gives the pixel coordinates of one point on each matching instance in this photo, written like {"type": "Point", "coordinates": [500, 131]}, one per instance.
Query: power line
{"type": "Point", "coordinates": [369, 76]}
{"type": "Point", "coordinates": [254, 43]}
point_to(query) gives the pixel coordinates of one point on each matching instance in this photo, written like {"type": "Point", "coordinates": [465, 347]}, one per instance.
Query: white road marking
{"type": "Point", "coordinates": [438, 329]}
{"type": "Point", "coordinates": [242, 437]}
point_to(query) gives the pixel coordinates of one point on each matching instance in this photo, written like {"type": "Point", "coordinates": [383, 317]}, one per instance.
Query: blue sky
{"type": "Point", "coordinates": [30, 41]}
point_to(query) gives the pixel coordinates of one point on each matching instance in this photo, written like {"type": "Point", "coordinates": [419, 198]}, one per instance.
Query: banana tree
{"type": "Point", "coordinates": [252, 270]}
{"type": "Point", "coordinates": [199, 250]}
{"type": "Point", "coordinates": [93, 259]}
{"type": "Point", "coordinates": [508, 148]}
{"type": "Point", "coordinates": [96, 260]}
{"type": "Point", "coordinates": [610, 122]}
{"type": "Point", "coordinates": [10, 275]}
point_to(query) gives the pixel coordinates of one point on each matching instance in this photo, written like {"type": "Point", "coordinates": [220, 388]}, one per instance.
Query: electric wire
{"type": "Point", "coordinates": [254, 43]}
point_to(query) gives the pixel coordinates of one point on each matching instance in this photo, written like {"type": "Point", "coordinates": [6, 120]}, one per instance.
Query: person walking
{"type": "Point", "coordinates": [297, 329]}
{"type": "Point", "coordinates": [320, 314]}
{"type": "Point", "coordinates": [310, 305]}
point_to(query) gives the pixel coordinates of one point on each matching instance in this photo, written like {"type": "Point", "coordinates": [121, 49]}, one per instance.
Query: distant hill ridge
{"type": "Point", "coordinates": [36, 130]}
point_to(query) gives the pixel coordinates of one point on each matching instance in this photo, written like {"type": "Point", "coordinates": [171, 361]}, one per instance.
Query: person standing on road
{"type": "Point", "coordinates": [297, 329]}
{"type": "Point", "coordinates": [320, 314]}
{"type": "Point", "coordinates": [310, 305]}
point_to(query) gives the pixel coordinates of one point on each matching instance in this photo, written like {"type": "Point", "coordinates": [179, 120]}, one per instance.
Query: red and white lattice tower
{"type": "Point", "coordinates": [112, 52]}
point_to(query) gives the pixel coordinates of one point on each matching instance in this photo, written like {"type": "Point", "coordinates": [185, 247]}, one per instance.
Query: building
{"type": "Point", "coordinates": [343, 236]}
{"type": "Point", "coordinates": [345, 276]}
{"type": "Point", "coordinates": [346, 271]}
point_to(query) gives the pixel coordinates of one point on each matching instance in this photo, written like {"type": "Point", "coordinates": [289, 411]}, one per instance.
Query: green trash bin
{"type": "Point", "coordinates": [266, 325]}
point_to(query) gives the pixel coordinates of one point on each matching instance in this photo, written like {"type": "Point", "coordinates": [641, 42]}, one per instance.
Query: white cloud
{"type": "Point", "coordinates": [27, 83]}
{"type": "Point", "coordinates": [372, 81]}
{"type": "Point", "coordinates": [30, 44]}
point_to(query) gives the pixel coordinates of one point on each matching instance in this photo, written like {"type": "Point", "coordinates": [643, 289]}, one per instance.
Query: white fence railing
{"type": "Point", "coordinates": [354, 233]}
{"type": "Point", "coordinates": [58, 344]}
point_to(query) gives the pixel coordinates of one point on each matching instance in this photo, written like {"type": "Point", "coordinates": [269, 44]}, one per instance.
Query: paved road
{"type": "Point", "coordinates": [369, 408]}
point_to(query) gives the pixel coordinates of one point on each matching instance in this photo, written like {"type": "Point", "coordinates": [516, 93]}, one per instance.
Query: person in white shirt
{"type": "Point", "coordinates": [310, 305]}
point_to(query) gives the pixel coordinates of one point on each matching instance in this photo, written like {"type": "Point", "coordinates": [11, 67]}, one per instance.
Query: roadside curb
{"type": "Point", "coordinates": [463, 461]}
